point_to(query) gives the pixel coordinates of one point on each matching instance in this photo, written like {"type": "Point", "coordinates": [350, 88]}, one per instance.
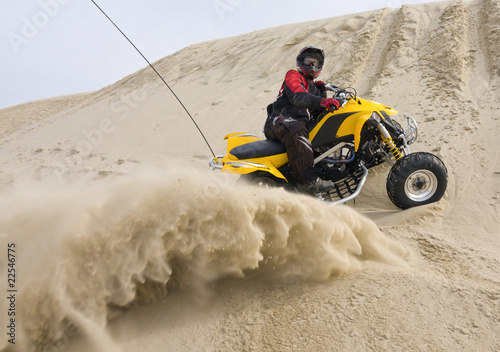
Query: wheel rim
{"type": "Point", "coordinates": [421, 185]}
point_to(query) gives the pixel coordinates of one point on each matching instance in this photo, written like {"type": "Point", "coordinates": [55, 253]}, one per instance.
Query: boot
{"type": "Point", "coordinates": [315, 186]}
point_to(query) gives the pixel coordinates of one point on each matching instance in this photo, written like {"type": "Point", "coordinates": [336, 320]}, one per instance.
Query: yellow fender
{"type": "Point", "coordinates": [355, 122]}
{"type": "Point", "coordinates": [233, 165]}
{"type": "Point", "coordinates": [353, 125]}
{"type": "Point", "coordinates": [241, 167]}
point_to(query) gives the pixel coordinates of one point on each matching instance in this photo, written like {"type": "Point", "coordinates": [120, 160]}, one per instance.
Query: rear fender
{"type": "Point", "coordinates": [233, 165]}
{"type": "Point", "coordinates": [236, 139]}
{"type": "Point", "coordinates": [243, 167]}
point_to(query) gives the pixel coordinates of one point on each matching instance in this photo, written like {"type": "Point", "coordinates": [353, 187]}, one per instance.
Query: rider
{"type": "Point", "coordinates": [300, 99]}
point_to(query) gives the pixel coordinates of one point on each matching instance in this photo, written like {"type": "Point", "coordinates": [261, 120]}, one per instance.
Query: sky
{"type": "Point", "coordinates": [56, 47]}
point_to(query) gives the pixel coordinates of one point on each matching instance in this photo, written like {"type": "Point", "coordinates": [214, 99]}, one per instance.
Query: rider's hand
{"type": "Point", "coordinates": [320, 85]}
{"type": "Point", "coordinates": [330, 104]}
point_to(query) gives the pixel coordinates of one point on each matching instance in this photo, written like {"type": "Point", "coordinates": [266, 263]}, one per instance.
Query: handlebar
{"type": "Point", "coordinates": [331, 87]}
{"type": "Point", "coordinates": [342, 95]}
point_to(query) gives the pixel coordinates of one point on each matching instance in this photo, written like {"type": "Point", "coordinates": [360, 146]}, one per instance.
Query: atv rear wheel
{"type": "Point", "coordinates": [417, 179]}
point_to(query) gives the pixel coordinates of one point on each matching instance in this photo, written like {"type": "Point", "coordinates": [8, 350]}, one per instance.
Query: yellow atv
{"type": "Point", "coordinates": [346, 143]}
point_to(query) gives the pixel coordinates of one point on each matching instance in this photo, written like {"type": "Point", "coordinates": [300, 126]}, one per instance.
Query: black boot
{"type": "Point", "coordinates": [315, 186]}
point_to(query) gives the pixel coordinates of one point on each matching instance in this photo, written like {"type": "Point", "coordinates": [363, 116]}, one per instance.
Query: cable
{"type": "Point", "coordinates": [154, 69]}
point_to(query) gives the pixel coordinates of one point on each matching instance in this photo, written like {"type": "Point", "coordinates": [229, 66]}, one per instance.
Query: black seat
{"type": "Point", "coordinates": [268, 147]}
{"type": "Point", "coordinates": [258, 149]}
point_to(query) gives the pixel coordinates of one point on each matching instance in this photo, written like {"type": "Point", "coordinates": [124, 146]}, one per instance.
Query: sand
{"type": "Point", "coordinates": [127, 241]}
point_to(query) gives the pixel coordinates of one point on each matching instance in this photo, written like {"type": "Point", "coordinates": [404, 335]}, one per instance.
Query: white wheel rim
{"type": "Point", "coordinates": [421, 185]}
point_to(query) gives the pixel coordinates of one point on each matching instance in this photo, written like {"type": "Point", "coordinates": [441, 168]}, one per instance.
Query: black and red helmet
{"type": "Point", "coordinates": [310, 61]}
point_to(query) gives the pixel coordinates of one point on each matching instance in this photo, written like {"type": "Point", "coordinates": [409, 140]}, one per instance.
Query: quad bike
{"type": "Point", "coordinates": [346, 143]}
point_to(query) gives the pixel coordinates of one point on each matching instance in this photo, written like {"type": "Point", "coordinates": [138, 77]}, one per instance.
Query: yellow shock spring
{"type": "Point", "coordinates": [389, 143]}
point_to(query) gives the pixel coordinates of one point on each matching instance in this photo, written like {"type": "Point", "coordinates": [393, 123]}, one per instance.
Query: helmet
{"type": "Point", "coordinates": [309, 69]}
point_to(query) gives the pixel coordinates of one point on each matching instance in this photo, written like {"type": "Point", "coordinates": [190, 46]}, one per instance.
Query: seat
{"type": "Point", "coordinates": [258, 149]}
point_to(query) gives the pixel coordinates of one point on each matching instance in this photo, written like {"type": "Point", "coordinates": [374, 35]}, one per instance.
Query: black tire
{"type": "Point", "coordinates": [417, 179]}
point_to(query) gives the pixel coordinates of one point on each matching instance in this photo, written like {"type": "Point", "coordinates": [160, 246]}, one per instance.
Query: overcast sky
{"type": "Point", "coordinates": [55, 47]}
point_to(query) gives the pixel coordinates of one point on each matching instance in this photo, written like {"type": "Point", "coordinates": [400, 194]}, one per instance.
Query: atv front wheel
{"type": "Point", "coordinates": [417, 179]}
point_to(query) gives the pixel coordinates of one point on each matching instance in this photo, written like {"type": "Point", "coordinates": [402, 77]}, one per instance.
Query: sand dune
{"type": "Point", "coordinates": [128, 242]}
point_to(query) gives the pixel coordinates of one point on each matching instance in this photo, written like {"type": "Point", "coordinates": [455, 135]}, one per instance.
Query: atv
{"type": "Point", "coordinates": [347, 142]}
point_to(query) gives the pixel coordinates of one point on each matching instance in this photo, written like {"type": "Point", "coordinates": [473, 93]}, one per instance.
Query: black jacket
{"type": "Point", "coordinates": [298, 98]}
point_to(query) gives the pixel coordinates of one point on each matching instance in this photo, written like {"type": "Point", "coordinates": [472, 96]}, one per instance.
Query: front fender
{"type": "Point", "coordinates": [353, 126]}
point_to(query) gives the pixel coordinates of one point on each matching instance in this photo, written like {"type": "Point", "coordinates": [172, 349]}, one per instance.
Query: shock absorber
{"type": "Point", "coordinates": [389, 142]}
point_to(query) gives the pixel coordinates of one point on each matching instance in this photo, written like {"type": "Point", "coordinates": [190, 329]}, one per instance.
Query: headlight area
{"type": "Point", "coordinates": [411, 131]}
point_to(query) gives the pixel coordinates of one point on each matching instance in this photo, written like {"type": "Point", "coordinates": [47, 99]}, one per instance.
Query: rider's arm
{"type": "Point", "coordinates": [296, 88]}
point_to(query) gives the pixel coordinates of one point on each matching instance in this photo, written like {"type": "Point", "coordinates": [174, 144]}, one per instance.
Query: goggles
{"type": "Point", "coordinates": [310, 61]}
